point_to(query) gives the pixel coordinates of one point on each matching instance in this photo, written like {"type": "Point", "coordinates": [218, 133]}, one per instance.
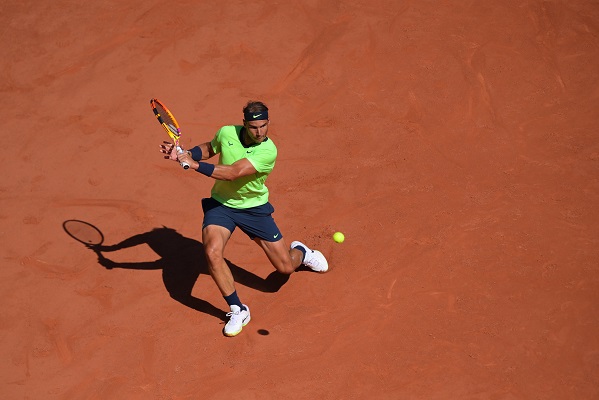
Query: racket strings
{"type": "Point", "coordinates": [166, 118]}
{"type": "Point", "coordinates": [83, 232]}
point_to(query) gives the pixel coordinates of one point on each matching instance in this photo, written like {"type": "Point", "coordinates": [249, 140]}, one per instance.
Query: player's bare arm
{"type": "Point", "coordinates": [221, 172]}
{"type": "Point", "coordinates": [231, 172]}
{"type": "Point", "coordinates": [236, 170]}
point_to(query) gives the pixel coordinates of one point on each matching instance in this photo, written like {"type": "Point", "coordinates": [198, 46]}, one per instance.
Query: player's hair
{"type": "Point", "coordinates": [254, 107]}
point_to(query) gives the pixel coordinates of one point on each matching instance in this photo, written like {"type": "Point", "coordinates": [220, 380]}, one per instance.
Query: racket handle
{"type": "Point", "coordinates": [183, 164]}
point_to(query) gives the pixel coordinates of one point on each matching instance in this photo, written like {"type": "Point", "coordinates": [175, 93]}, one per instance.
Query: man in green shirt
{"type": "Point", "coordinates": [239, 198]}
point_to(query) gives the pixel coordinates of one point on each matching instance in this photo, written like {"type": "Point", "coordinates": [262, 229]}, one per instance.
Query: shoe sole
{"type": "Point", "coordinates": [231, 334]}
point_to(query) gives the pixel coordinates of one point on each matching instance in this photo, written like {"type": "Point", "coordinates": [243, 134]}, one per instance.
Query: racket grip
{"type": "Point", "coordinates": [183, 164]}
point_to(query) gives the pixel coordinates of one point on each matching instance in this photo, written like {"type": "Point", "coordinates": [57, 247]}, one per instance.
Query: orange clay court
{"type": "Point", "coordinates": [454, 143]}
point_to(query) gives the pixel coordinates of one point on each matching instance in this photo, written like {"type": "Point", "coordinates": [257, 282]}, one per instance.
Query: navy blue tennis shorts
{"type": "Point", "coordinates": [254, 221]}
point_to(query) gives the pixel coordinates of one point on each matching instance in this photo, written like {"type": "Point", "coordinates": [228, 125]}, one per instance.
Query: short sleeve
{"type": "Point", "coordinates": [215, 143]}
{"type": "Point", "coordinates": [264, 160]}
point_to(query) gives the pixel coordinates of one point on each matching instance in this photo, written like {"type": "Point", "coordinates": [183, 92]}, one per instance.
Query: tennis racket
{"type": "Point", "coordinates": [170, 125]}
{"type": "Point", "coordinates": [83, 232]}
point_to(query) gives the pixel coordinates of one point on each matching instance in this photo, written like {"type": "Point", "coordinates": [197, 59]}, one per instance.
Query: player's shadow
{"type": "Point", "coordinates": [182, 260]}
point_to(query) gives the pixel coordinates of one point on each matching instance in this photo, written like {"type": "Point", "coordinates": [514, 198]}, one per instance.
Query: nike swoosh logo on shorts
{"type": "Point", "coordinates": [276, 236]}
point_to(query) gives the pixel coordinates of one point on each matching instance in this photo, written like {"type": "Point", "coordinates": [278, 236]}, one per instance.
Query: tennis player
{"type": "Point", "coordinates": [239, 198]}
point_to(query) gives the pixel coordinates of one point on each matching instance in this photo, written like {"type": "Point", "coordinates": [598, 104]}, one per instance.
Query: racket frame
{"type": "Point", "coordinates": [71, 232]}
{"type": "Point", "coordinates": [173, 130]}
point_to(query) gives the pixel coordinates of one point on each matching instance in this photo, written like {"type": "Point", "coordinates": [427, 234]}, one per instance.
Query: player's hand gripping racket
{"type": "Point", "coordinates": [169, 123]}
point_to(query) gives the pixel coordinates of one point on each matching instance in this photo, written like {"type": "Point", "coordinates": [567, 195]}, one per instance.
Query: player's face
{"type": "Point", "coordinates": [257, 130]}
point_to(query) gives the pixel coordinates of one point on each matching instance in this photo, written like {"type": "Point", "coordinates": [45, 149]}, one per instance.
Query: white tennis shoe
{"type": "Point", "coordinates": [314, 258]}
{"type": "Point", "coordinates": [238, 319]}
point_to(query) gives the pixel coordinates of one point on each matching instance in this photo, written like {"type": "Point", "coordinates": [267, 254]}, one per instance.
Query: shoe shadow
{"type": "Point", "coordinates": [182, 260]}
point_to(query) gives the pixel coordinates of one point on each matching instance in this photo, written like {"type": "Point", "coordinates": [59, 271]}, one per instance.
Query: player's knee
{"type": "Point", "coordinates": [214, 255]}
{"type": "Point", "coordinates": [285, 268]}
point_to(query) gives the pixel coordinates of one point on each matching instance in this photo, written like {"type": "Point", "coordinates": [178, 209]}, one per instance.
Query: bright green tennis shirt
{"type": "Point", "coordinates": [247, 191]}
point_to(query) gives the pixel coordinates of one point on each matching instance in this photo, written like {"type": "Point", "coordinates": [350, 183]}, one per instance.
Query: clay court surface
{"type": "Point", "coordinates": [455, 143]}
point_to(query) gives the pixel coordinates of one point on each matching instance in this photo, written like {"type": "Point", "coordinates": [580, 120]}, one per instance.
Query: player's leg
{"type": "Point", "coordinates": [217, 229]}
{"type": "Point", "coordinates": [259, 224]}
{"type": "Point", "coordinates": [215, 238]}
{"type": "Point", "coordinates": [284, 259]}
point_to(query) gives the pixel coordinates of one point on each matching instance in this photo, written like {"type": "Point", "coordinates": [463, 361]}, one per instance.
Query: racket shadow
{"type": "Point", "coordinates": [182, 261]}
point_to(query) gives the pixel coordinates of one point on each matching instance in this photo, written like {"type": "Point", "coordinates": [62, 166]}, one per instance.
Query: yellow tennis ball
{"type": "Point", "coordinates": [338, 237]}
